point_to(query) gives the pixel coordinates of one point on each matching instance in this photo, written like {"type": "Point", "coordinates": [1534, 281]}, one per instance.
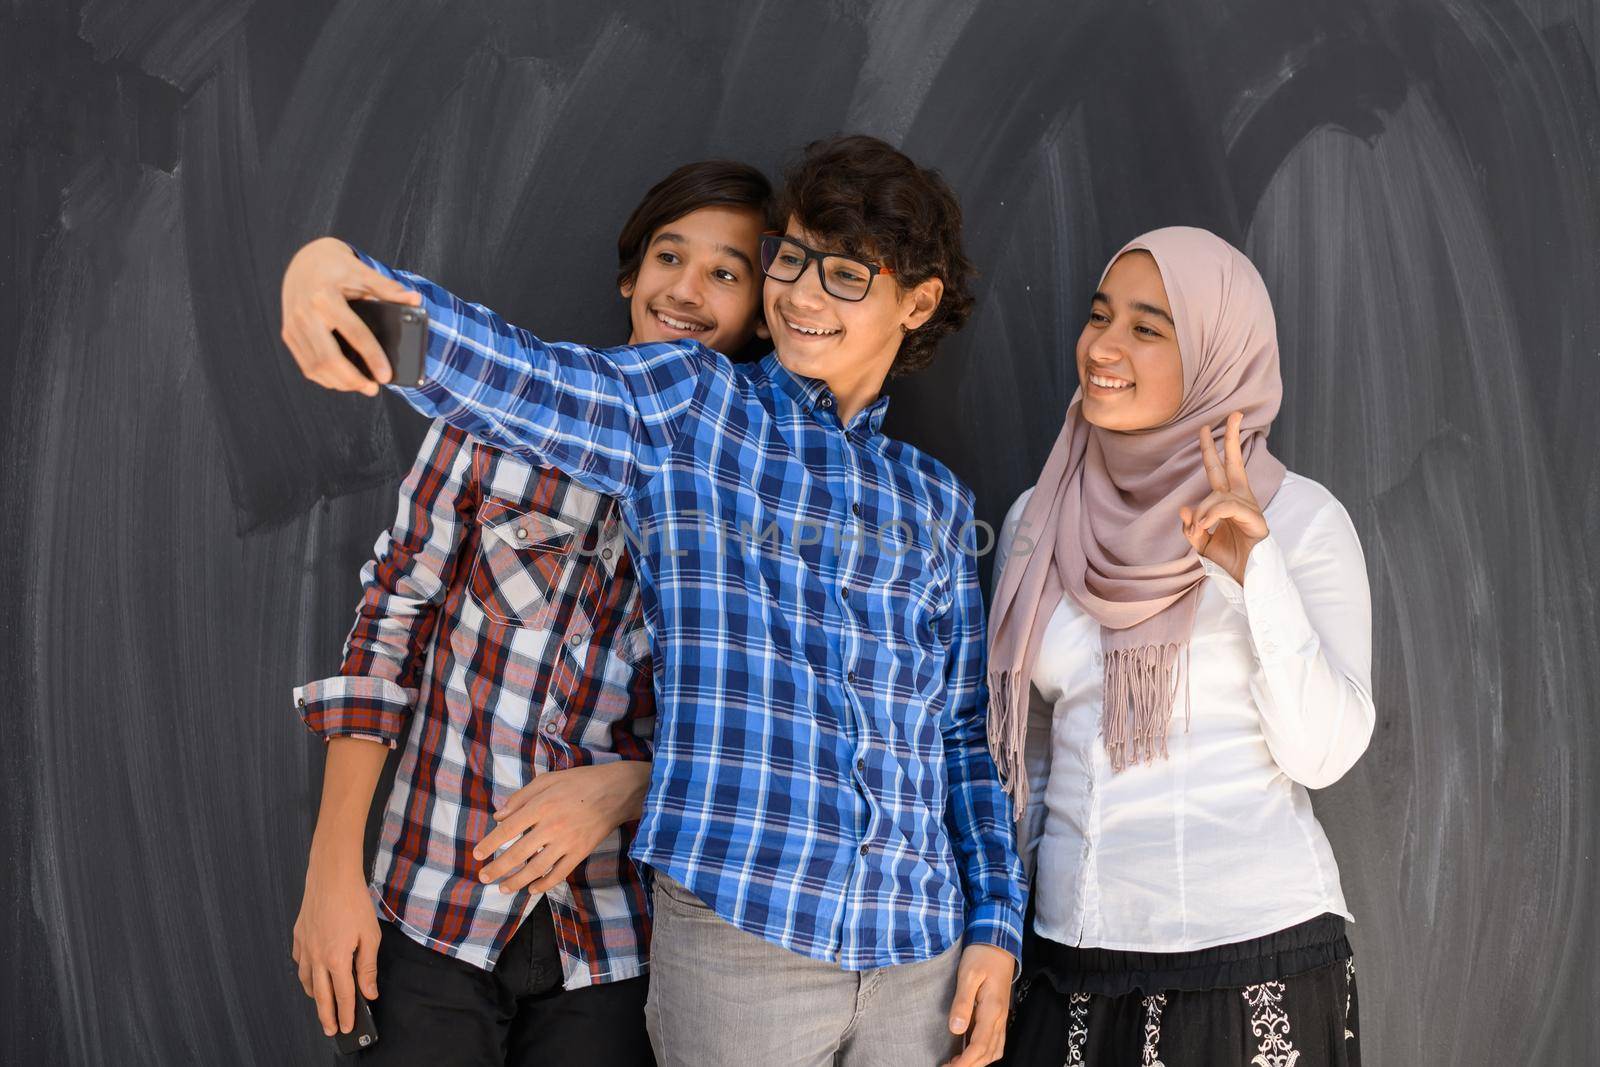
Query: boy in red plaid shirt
{"type": "Point", "coordinates": [499, 644]}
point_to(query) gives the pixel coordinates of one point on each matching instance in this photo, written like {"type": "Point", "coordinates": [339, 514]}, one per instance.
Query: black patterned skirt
{"type": "Point", "coordinates": [1284, 1000]}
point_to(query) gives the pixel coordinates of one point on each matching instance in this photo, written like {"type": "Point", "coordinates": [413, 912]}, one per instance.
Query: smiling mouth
{"type": "Point", "coordinates": [1109, 383]}
{"type": "Point", "coordinates": [672, 322]}
{"type": "Point", "coordinates": [810, 331]}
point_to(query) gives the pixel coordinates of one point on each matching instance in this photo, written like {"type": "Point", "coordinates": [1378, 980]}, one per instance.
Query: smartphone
{"type": "Point", "coordinates": [402, 332]}
{"type": "Point", "coordinates": [365, 1034]}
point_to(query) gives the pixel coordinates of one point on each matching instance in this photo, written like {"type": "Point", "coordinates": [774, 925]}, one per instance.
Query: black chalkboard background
{"type": "Point", "coordinates": [184, 518]}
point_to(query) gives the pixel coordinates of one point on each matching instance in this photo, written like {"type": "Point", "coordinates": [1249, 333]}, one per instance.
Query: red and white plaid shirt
{"type": "Point", "coordinates": [502, 607]}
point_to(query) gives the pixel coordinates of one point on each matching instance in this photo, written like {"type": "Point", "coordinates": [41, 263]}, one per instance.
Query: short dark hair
{"type": "Point", "coordinates": [708, 183]}
{"type": "Point", "coordinates": [876, 203]}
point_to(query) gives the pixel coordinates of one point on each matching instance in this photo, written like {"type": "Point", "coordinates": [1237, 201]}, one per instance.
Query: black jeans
{"type": "Point", "coordinates": [434, 1010]}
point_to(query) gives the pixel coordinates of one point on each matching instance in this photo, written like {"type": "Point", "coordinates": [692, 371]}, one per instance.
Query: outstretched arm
{"type": "Point", "coordinates": [606, 418]}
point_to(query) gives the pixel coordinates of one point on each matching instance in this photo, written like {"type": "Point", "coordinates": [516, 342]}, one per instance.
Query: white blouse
{"type": "Point", "coordinates": [1216, 843]}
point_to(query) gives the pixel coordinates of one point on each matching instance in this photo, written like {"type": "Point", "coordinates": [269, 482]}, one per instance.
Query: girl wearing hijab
{"type": "Point", "coordinates": [1187, 904]}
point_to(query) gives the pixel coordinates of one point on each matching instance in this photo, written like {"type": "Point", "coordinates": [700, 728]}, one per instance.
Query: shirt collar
{"type": "Point", "coordinates": [871, 416]}
{"type": "Point", "coordinates": [813, 393]}
{"type": "Point", "coordinates": [807, 392]}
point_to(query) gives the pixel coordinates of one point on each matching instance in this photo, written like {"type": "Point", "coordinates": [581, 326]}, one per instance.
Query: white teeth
{"type": "Point", "coordinates": [1108, 383]}
{"type": "Point", "coordinates": [810, 333]}
{"type": "Point", "coordinates": [680, 324]}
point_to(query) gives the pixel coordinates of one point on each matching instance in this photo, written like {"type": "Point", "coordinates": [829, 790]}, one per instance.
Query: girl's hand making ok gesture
{"type": "Point", "coordinates": [1228, 523]}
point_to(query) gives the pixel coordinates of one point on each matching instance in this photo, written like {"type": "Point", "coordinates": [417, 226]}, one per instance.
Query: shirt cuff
{"type": "Point", "coordinates": [356, 706]}
{"type": "Point", "coordinates": [436, 313]}
{"type": "Point", "coordinates": [440, 363]}
{"type": "Point", "coordinates": [1278, 623]}
{"type": "Point", "coordinates": [997, 923]}
{"type": "Point", "coordinates": [1231, 591]}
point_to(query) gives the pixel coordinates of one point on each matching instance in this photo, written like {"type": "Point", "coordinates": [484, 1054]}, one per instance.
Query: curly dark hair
{"type": "Point", "coordinates": [876, 203]}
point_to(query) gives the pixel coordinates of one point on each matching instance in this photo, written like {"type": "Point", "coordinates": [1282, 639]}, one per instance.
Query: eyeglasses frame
{"type": "Point", "coordinates": [873, 269]}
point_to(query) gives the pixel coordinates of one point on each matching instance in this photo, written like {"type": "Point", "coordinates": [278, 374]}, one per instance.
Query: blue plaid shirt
{"type": "Point", "coordinates": [822, 778]}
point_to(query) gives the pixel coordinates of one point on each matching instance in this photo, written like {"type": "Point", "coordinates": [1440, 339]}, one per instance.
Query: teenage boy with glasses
{"type": "Point", "coordinates": [821, 780]}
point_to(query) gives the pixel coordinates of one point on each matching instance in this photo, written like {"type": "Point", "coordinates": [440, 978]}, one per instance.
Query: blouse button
{"type": "Point", "coordinates": [522, 535]}
{"type": "Point", "coordinates": [605, 553]}
{"type": "Point", "coordinates": [577, 639]}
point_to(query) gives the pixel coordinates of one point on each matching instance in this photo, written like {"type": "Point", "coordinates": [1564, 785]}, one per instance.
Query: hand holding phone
{"type": "Point", "coordinates": [319, 283]}
{"type": "Point", "coordinates": [365, 1034]}
{"type": "Point", "coordinates": [336, 942]}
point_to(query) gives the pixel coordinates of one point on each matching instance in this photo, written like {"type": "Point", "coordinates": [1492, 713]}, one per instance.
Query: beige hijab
{"type": "Point", "coordinates": [1103, 517]}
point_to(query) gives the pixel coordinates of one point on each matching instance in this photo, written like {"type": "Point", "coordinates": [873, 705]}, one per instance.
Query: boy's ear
{"type": "Point", "coordinates": [762, 331]}
{"type": "Point", "coordinates": [925, 297]}
{"type": "Point", "coordinates": [626, 288]}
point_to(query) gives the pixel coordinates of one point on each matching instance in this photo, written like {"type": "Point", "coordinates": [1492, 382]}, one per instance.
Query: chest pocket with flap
{"type": "Point", "coordinates": [522, 561]}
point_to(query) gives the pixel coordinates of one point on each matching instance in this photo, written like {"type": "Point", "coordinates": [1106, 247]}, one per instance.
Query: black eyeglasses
{"type": "Point", "coordinates": [784, 259]}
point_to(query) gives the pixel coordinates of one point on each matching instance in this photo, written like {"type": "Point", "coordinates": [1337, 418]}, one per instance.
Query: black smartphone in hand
{"type": "Point", "coordinates": [365, 1034]}
{"type": "Point", "coordinates": [402, 333]}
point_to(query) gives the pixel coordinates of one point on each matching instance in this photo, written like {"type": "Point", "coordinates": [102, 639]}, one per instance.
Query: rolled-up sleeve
{"type": "Point", "coordinates": [402, 588]}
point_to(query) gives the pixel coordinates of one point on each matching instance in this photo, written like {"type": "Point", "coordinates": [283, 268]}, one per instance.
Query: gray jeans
{"type": "Point", "coordinates": [720, 997]}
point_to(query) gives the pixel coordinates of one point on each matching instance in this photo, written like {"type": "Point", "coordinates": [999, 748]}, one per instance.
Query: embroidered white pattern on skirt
{"type": "Point", "coordinates": [1152, 1029]}
{"type": "Point", "coordinates": [1349, 985]}
{"type": "Point", "coordinates": [1016, 1002]}
{"type": "Point", "coordinates": [1077, 1029]}
{"type": "Point", "coordinates": [1270, 1024]}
